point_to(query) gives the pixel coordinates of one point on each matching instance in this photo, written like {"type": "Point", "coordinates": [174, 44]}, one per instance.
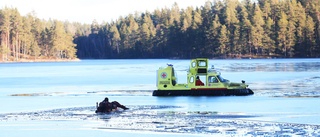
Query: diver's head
{"type": "Point", "coordinates": [106, 99]}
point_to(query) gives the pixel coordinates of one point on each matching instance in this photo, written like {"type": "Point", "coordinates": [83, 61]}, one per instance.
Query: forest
{"type": "Point", "coordinates": [29, 38]}
{"type": "Point", "coordinates": [218, 29]}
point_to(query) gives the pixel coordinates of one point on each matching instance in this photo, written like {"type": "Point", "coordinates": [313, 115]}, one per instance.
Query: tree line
{"type": "Point", "coordinates": [218, 29]}
{"type": "Point", "coordinates": [29, 38]}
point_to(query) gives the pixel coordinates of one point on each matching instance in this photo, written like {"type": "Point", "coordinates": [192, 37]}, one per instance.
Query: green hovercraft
{"type": "Point", "coordinates": [213, 85]}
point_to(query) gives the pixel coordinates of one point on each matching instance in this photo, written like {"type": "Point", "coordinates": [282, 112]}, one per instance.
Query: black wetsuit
{"type": "Point", "coordinates": [105, 106]}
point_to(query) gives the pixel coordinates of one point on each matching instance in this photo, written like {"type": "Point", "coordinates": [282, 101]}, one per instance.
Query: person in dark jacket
{"type": "Point", "coordinates": [105, 106]}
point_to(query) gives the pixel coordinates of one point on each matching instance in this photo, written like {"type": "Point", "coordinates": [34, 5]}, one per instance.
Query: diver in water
{"type": "Point", "coordinates": [105, 106]}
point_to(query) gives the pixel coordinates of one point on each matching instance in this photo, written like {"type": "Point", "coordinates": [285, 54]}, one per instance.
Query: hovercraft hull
{"type": "Point", "coordinates": [204, 92]}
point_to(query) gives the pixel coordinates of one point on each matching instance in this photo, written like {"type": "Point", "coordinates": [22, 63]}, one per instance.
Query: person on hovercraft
{"type": "Point", "coordinates": [105, 106]}
{"type": "Point", "coordinates": [199, 82]}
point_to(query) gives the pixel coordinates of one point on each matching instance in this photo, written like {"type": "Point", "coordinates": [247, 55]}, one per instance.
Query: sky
{"type": "Point", "coordinates": [85, 11]}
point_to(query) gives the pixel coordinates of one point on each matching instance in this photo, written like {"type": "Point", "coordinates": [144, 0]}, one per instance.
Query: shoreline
{"type": "Point", "coordinates": [41, 60]}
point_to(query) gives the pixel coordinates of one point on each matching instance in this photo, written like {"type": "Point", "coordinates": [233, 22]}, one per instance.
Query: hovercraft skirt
{"type": "Point", "coordinates": [203, 92]}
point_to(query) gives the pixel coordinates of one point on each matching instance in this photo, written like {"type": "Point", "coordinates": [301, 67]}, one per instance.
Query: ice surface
{"type": "Point", "coordinates": [42, 99]}
{"type": "Point", "coordinates": [153, 119]}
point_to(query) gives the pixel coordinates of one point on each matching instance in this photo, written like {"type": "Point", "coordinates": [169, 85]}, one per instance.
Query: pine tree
{"type": "Point", "coordinates": [16, 23]}
{"type": "Point", "coordinates": [245, 30]}
{"type": "Point", "coordinates": [186, 19]}
{"type": "Point", "coordinates": [125, 32]}
{"type": "Point", "coordinates": [218, 8]}
{"type": "Point", "coordinates": [268, 39]}
{"type": "Point", "coordinates": [290, 38]}
{"type": "Point", "coordinates": [257, 31]}
{"type": "Point", "coordinates": [223, 42]}
{"type": "Point", "coordinates": [70, 50]}
{"type": "Point", "coordinates": [175, 14]}
{"type": "Point", "coordinates": [94, 27]}
{"type": "Point", "coordinates": [282, 33]}
{"type": "Point", "coordinates": [213, 37]}
{"type": "Point", "coordinates": [148, 31]}
{"type": "Point", "coordinates": [5, 33]}
{"type": "Point", "coordinates": [207, 16]}
{"type": "Point", "coordinates": [115, 38]}
{"type": "Point", "coordinates": [186, 31]}
{"type": "Point", "coordinates": [232, 24]}
{"type": "Point", "coordinates": [310, 37]}
{"type": "Point", "coordinates": [36, 29]}
{"type": "Point", "coordinates": [300, 49]}
{"type": "Point", "coordinates": [197, 19]}
{"type": "Point", "coordinates": [62, 46]}
{"type": "Point", "coordinates": [265, 6]}
{"type": "Point", "coordinates": [28, 41]}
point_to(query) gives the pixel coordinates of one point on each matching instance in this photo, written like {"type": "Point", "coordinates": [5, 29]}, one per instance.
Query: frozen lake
{"type": "Point", "coordinates": [58, 99]}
